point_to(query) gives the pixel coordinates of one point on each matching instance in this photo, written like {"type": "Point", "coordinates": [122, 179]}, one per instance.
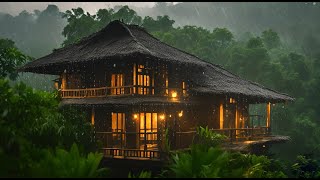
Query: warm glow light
{"type": "Point", "coordinates": [232, 101]}
{"type": "Point", "coordinates": [135, 116]}
{"type": "Point", "coordinates": [174, 94]}
{"type": "Point", "coordinates": [180, 114]}
{"type": "Point", "coordinates": [170, 115]}
{"type": "Point", "coordinates": [161, 116]}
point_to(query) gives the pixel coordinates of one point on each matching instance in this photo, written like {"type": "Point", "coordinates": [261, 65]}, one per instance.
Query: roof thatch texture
{"type": "Point", "coordinates": [118, 40]}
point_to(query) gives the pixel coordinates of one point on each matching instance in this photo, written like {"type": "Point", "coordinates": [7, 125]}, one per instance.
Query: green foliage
{"type": "Point", "coordinates": [305, 168]}
{"type": "Point", "coordinates": [30, 121]}
{"type": "Point", "coordinates": [10, 59]}
{"type": "Point", "coordinates": [34, 115]}
{"type": "Point", "coordinates": [217, 163]}
{"type": "Point", "coordinates": [262, 167]}
{"type": "Point", "coordinates": [162, 23]}
{"type": "Point", "coordinates": [81, 24]}
{"type": "Point", "coordinates": [142, 174]}
{"type": "Point", "coordinates": [255, 43]}
{"type": "Point", "coordinates": [270, 39]}
{"type": "Point", "coordinates": [62, 164]}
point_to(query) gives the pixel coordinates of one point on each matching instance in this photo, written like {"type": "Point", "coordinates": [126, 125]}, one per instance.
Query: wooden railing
{"type": "Point", "coordinates": [118, 139]}
{"type": "Point", "coordinates": [114, 145]}
{"type": "Point", "coordinates": [131, 153]}
{"type": "Point", "coordinates": [115, 91]}
{"type": "Point", "coordinates": [96, 92]}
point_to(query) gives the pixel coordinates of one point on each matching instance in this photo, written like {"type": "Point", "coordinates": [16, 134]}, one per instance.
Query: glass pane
{"type": "Point", "coordinates": [141, 120]}
{"type": "Point", "coordinates": [119, 120]}
{"type": "Point", "coordinates": [154, 122]}
{"type": "Point", "coordinates": [148, 121]}
{"type": "Point", "coordinates": [114, 120]}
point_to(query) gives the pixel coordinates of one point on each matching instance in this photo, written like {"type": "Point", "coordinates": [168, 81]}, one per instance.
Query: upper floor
{"type": "Point", "coordinates": [119, 79]}
{"type": "Point", "coordinates": [123, 59]}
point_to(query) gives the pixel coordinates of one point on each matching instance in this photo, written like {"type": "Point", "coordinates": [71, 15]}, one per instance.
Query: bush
{"type": "Point", "coordinates": [305, 168]}
{"type": "Point", "coordinates": [208, 138]}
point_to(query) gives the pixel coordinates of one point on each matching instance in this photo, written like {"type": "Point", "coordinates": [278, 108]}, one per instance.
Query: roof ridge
{"type": "Point", "coordinates": [134, 37]}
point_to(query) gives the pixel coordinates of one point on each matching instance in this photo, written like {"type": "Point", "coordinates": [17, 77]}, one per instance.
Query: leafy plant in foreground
{"type": "Point", "coordinates": [62, 163]}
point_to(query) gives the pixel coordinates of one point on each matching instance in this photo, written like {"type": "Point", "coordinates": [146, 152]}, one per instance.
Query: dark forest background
{"type": "Point", "coordinates": [272, 43]}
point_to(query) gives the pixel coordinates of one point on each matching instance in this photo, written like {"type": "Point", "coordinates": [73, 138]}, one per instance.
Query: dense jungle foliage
{"type": "Point", "coordinates": [36, 134]}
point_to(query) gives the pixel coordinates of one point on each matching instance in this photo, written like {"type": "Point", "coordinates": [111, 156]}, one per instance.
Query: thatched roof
{"type": "Point", "coordinates": [118, 40]}
{"type": "Point", "coordinates": [215, 79]}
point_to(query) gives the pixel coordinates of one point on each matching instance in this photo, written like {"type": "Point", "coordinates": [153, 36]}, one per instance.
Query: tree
{"type": "Point", "coordinates": [255, 42]}
{"type": "Point", "coordinates": [104, 16]}
{"type": "Point", "coordinates": [79, 25]}
{"type": "Point", "coordinates": [163, 23]}
{"type": "Point", "coordinates": [270, 39]}
{"type": "Point", "coordinates": [128, 16]}
{"type": "Point", "coordinates": [10, 59]}
{"type": "Point", "coordinates": [222, 36]}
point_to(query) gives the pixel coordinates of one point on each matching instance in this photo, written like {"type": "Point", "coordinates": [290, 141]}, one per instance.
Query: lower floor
{"type": "Point", "coordinates": [146, 131]}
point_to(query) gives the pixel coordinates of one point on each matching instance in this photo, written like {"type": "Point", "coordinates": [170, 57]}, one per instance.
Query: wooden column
{"type": "Point", "coordinates": [134, 77]}
{"type": "Point", "coordinates": [92, 116]}
{"type": "Point", "coordinates": [221, 116]}
{"type": "Point", "coordinates": [268, 114]}
{"type": "Point", "coordinates": [64, 81]}
{"type": "Point", "coordinates": [237, 119]}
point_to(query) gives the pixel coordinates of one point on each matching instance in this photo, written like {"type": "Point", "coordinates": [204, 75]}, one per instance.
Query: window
{"type": "Point", "coordinates": [117, 83]}
{"type": "Point", "coordinates": [142, 78]}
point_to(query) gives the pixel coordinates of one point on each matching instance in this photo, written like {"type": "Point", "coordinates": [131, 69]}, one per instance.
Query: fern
{"type": "Point", "coordinates": [69, 164]}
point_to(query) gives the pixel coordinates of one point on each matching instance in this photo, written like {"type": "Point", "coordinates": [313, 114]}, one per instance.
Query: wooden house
{"type": "Point", "coordinates": [136, 88]}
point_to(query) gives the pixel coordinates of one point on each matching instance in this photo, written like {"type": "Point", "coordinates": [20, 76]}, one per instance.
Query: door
{"type": "Point", "coordinates": [148, 131]}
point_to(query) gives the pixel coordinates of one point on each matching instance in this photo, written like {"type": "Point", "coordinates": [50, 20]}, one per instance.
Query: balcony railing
{"type": "Point", "coordinates": [116, 91]}
{"type": "Point", "coordinates": [184, 139]}
{"type": "Point", "coordinates": [131, 153]}
{"type": "Point", "coordinates": [114, 144]}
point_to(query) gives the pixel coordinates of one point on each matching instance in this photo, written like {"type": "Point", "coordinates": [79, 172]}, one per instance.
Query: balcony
{"type": "Point", "coordinates": [115, 143]}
